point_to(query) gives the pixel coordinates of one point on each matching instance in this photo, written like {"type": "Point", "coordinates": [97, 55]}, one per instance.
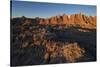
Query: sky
{"type": "Point", "coordinates": [45, 10]}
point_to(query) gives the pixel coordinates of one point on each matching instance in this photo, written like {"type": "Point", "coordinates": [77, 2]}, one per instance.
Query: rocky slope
{"type": "Point", "coordinates": [58, 39]}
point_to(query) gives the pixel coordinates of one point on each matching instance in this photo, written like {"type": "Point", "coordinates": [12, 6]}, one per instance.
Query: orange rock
{"type": "Point", "coordinates": [71, 20]}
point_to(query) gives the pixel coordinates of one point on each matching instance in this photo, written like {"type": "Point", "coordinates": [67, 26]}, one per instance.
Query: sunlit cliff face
{"type": "Point", "coordinates": [74, 20]}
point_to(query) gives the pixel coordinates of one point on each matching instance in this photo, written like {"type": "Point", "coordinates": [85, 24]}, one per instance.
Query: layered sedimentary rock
{"type": "Point", "coordinates": [80, 20]}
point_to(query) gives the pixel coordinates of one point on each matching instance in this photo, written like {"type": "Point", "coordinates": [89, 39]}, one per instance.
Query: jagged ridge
{"type": "Point", "coordinates": [71, 20]}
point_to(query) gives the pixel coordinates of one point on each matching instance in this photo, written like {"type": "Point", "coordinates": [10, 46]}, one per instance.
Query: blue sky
{"type": "Point", "coordinates": [37, 9]}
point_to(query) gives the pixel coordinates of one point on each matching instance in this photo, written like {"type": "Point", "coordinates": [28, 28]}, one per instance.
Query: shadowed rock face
{"type": "Point", "coordinates": [71, 20]}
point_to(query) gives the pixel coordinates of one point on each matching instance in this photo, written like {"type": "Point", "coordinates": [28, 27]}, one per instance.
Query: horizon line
{"type": "Point", "coordinates": [53, 15]}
